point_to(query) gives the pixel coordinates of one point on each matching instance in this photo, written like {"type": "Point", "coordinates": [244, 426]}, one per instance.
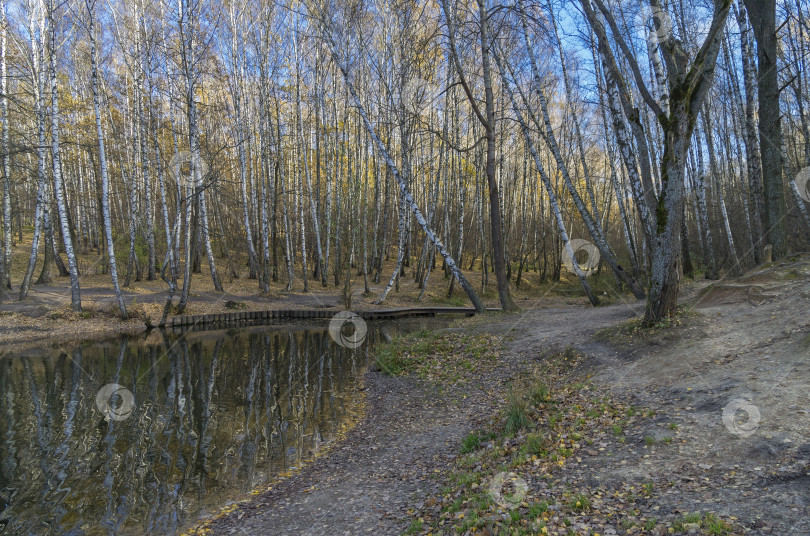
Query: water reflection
{"type": "Point", "coordinates": [214, 416]}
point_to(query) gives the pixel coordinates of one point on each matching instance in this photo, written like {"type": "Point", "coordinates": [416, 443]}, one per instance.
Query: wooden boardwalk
{"type": "Point", "coordinates": [252, 318]}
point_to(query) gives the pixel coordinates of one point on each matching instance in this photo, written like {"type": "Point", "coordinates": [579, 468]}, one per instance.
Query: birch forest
{"type": "Point", "coordinates": [327, 143]}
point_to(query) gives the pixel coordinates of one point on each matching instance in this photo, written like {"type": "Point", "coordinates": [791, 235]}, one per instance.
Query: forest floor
{"type": "Point", "coordinates": [46, 314]}
{"type": "Point", "coordinates": [575, 420]}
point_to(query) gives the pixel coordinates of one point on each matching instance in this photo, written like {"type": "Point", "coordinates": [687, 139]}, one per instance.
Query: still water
{"type": "Point", "coordinates": [197, 421]}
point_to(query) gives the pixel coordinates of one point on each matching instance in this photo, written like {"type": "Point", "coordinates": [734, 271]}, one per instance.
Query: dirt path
{"type": "Point", "coordinates": [747, 347]}
{"type": "Point", "coordinates": [386, 465]}
{"type": "Point", "coordinates": [369, 483]}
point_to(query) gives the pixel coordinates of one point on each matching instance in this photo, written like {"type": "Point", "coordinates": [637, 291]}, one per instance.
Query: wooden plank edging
{"type": "Point", "coordinates": [260, 317]}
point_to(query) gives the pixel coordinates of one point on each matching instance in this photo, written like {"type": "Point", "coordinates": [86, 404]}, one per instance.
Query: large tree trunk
{"type": "Point", "coordinates": [763, 21]}
{"type": "Point", "coordinates": [688, 87]}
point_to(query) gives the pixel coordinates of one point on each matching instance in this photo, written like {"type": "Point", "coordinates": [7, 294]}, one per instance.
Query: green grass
{"type": "Point", "coordinates": [539, 394]}
{"type": "Point", "coordinates": [415, 527]}
{"type": "Point", "coordinates": [710, 524]}
{"type": "Point", "coordinates": [516, 417]}
{"type": "Point", "coordinates": [459, 300]}
{"type": "Point", "coordinates": [537, 509]}
{"type": "Point", "coordinates": [579, 503]}
{"type": "Point", "coordinates": [716, 527]}
{"type": "Point", "coordinates": [471, 443]}
{"type": "Point", "coordinates": [534, 445]}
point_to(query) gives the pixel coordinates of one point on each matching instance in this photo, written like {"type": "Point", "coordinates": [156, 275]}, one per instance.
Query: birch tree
{"type": "Point", "coordinates": [762, 14]}
{"type": "Point", "coordinates": [689, 80]}
{"type": "Point", "coordinates": [487, 120]}
{"type": "Point", "coordinates": [102, 158]}
{"type": "Point", "coordinates": [58, 185]}
{"type": "Point", "coordinates": [5, 262]}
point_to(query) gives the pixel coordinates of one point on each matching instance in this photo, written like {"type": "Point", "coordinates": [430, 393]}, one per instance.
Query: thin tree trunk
{"type": "Point", "coordinates": [189, 61]}
{"type": "Point", "coordinates": [701, 188]}
{"type": "Point", "coordinates": [61, 202]}
{"type": "Point", "coordinates": [751, 145]}
{"type": "Point", "coordinates": [593, 226]}
{"type": "Point", "coordinates": [713, 169]}
{"type": "Point", "coordinates": [236, 93]}
{"type": "Point", "coordinates": [5, 261]}
{"type": "Point", "coordinates": [39, 110]}
{"type": "Point", "coordinates": [102, 157]}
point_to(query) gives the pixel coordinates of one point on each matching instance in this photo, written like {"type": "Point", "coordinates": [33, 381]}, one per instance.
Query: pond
{"type": "Point", "coordinates": [147, 435]}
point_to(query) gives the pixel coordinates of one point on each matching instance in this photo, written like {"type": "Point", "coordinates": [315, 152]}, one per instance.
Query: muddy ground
{"type": "Point", "coordinates": [728, 429]}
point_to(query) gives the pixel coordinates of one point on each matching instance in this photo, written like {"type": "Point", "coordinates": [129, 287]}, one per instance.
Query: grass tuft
{"type": "Point", "coordinates": [516, 417]}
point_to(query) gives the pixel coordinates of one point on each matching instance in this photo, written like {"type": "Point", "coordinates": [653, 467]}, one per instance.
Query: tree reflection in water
{"type": "Point", "coordinates": [215, 416]}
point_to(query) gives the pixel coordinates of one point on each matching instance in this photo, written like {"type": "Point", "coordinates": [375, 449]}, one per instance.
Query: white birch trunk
{"type": "Point", "coordinates": [61, 203]}
{"type": "Point", "coordinates": [703, 216]}
{"type": "Point", "coordinates": [707, 131]}
{"type": "Point", "coordinates": [5, 261]}
{"type": "Point", "coordinates": [38, 83]}
{"type": "Point", "coordinates": [236, 93]}
{"type": "Point", "coordinates": [102, 157]}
